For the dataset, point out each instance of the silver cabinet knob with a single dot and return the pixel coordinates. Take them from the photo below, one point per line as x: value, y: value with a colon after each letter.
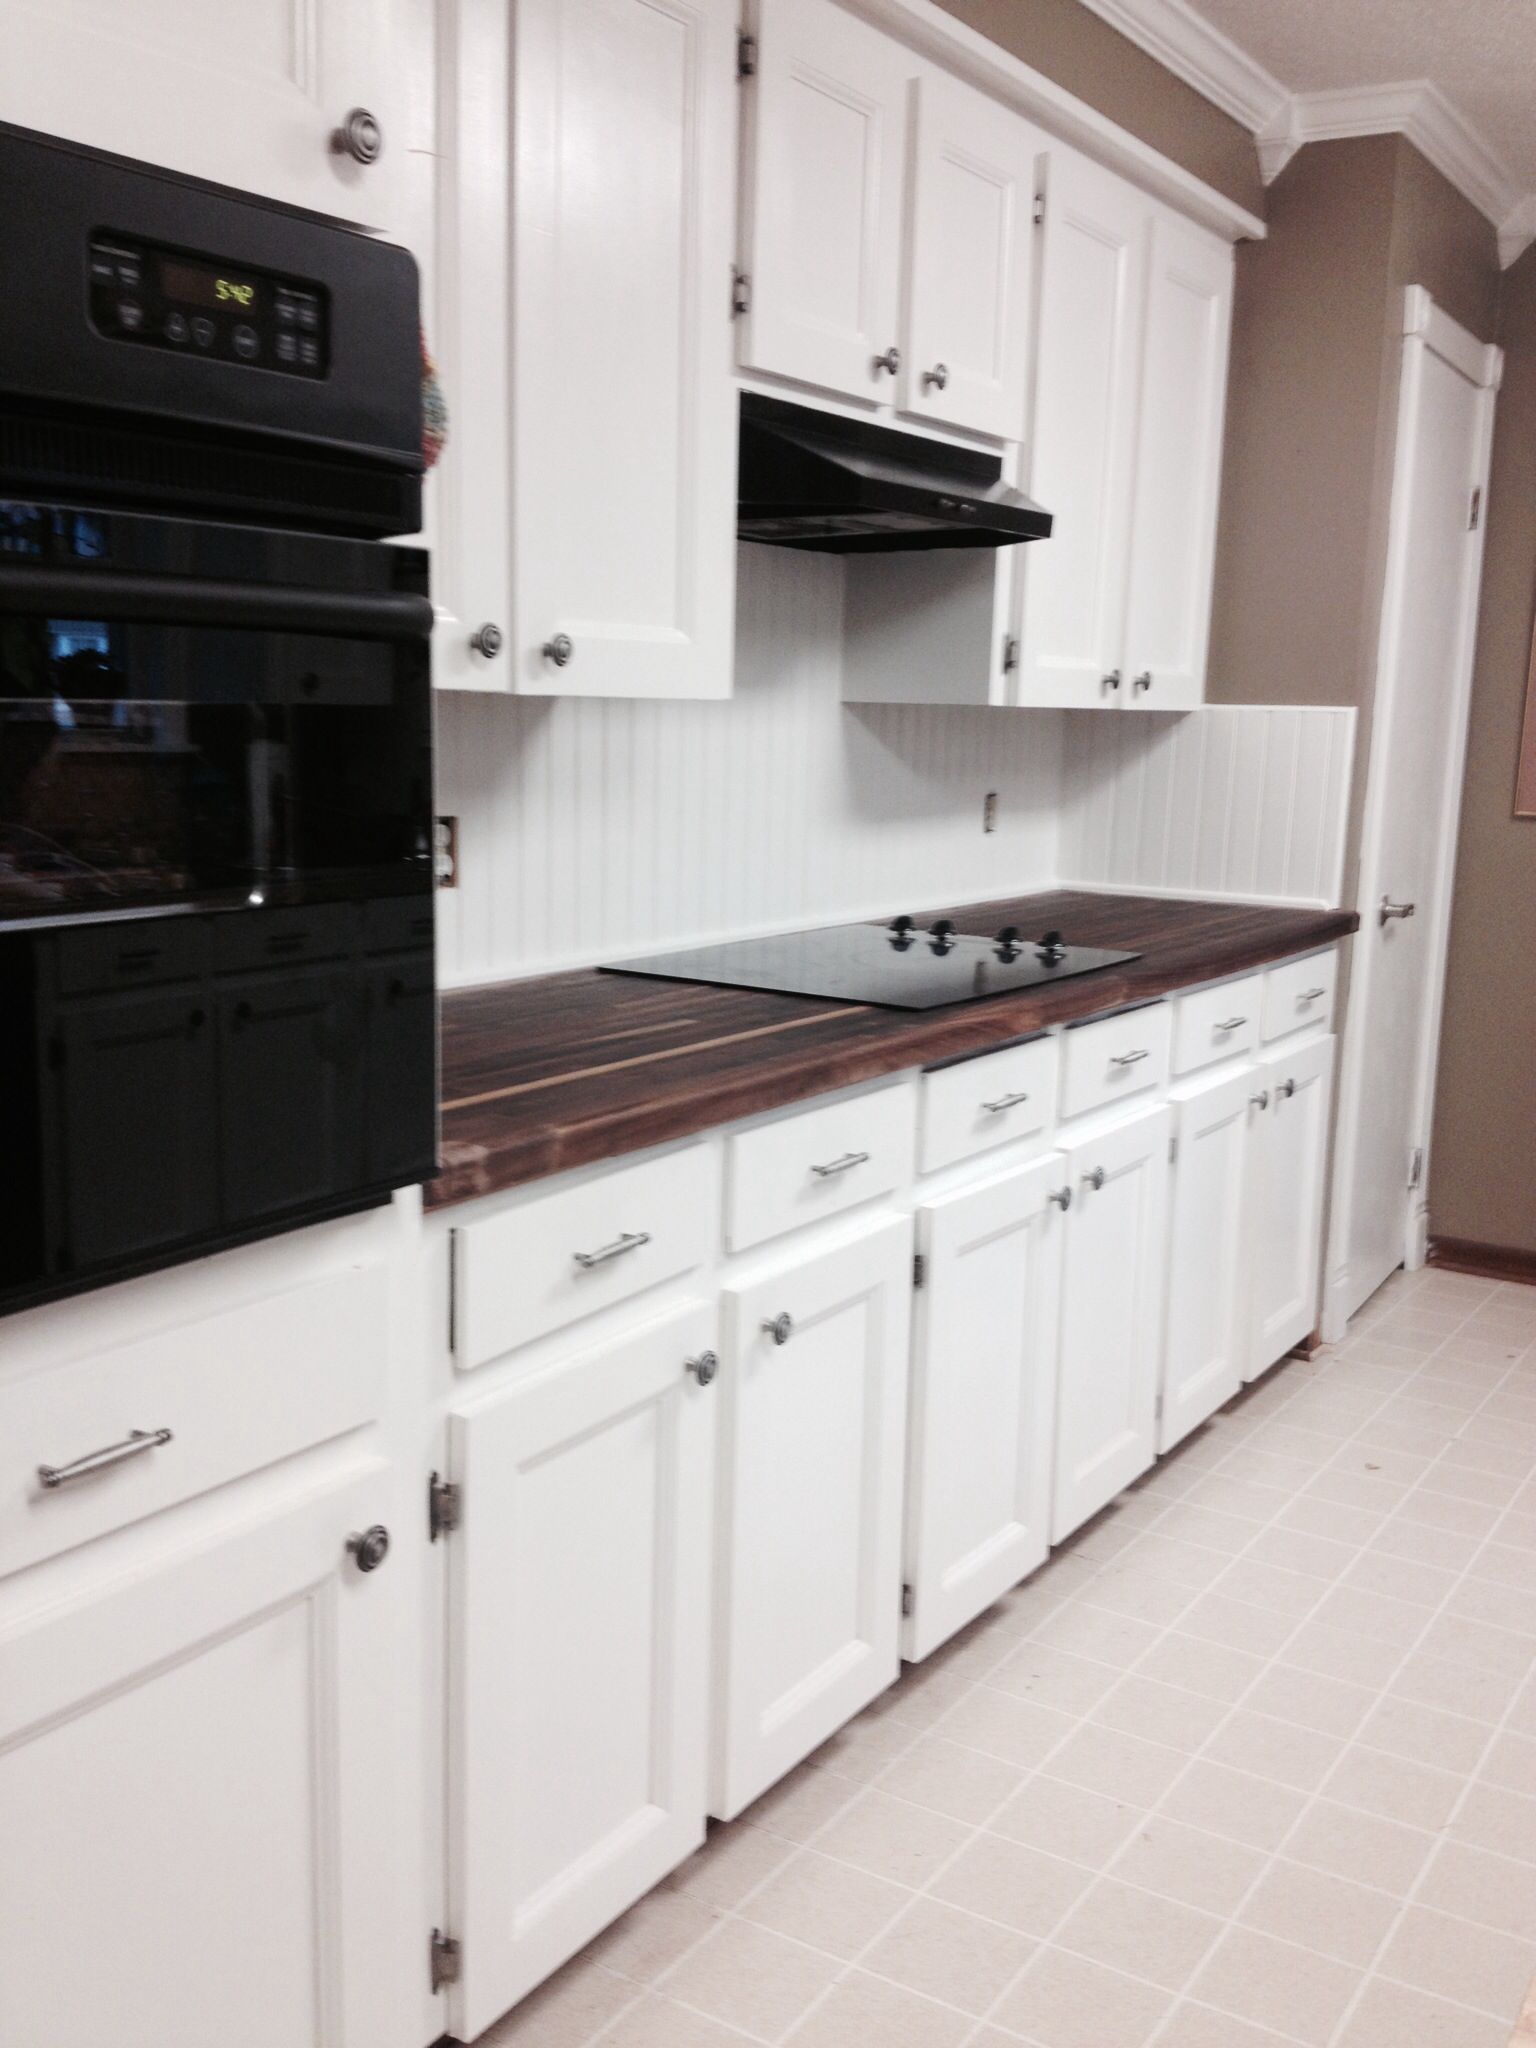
x: 891, y: 361
x: 1096, y: 1179
x: 1259, y: 1101
x: 704, y: 1367
x: 559, y: 650
x: 369, y: 1547
x: 1143, y: 681
x: 1286, y: 1090
x: 359, y: 137
x: 938, y: 376
x: 487, y: 640
x: 780, y: 1327
x: 1111, y: 681
x: 1390, y: 910
x: 1062, y: 1197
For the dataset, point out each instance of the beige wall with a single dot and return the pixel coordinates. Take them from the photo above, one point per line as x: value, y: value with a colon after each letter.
x: 1073, y: 46
x: 1483, y: 1160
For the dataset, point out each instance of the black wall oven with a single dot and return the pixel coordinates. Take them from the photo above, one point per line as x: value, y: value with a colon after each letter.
x: 217, y: 1011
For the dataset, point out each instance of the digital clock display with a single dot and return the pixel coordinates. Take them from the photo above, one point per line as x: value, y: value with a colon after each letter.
x: 199, y: 284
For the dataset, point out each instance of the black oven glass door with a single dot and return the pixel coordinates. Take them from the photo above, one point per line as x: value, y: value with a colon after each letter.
x: 217, y: 1009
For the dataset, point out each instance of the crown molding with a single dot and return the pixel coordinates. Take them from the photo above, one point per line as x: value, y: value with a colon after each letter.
x: 1184, y: 43
x: 1517, y: 230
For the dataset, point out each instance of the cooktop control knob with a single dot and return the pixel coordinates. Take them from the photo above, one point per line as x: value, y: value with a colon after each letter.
x: 1008, y: 942
x: 901, y: 926
x: 903, y: 930
x: 942, y: 935
x: 1051, y: 951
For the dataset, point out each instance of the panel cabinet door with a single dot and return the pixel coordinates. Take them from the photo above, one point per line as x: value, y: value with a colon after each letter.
x: 292, y: 1089
x: 1205, y: 1349
x: 205, y: 1829
x: 1088, y: 352
x: 983, y: 1399
x: 965, y: 345
x: 578, y: 1651
x: 248, y: 95
x: 809, y: 1603
x: 1178, y: 466
x: 825, y: 156
x: 1285, y: 1236
x: 1110, y: 1355
x: 622, y: 423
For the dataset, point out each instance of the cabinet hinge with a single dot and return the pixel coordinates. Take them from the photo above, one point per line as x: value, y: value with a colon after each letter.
x: 1158, y: 1410
x: 445, y: 1506
x: 908, y: 1599
x: 746, y: 55
x: 741, y: 294
x: 1416, y: 1166
x: 919, y: 1269
x: 447, y: 1959
x: 1039, y: 208
x: 1173, y: 1149
x: 1010, y: 654
x: 453, y: 1292
x: 1474, y: 519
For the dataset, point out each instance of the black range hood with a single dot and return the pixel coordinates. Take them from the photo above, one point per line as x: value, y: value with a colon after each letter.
x: 840, y: 486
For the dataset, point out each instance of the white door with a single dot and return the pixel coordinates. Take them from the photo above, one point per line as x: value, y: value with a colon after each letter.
x: 1205, y: 1348
x: 809, y: 1601
x: 1290, y: 1155
x: 579, y: 1650
x: 246, y: 94
x: 1111, y: 1315
x: 203, y: 1772
x: 983, y: 1399
x: 1178, y: 466
x: 970, y: 229
x: 825, y: 154
x: 1413, y: 794
x: 1071, y: 587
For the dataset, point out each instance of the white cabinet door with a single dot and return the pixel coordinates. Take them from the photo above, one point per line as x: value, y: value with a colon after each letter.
x: 809, y: 1602
x: 246, y: 94
x: 983, y: 1399
x: 1205, y: 1351
x: 1088, y: 353
x: 205, y: 1834
x: 1286, y: 1198
x: 578, y: 1652
x: 970, y: 230
x: 1111, y: 1315
x: 1178, y: 465
x: 825, y: 155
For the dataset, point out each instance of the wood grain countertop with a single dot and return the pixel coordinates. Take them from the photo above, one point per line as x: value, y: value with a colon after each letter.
x: 542, y: 1075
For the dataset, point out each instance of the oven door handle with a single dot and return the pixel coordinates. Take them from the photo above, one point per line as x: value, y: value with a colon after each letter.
x: 110, y: 595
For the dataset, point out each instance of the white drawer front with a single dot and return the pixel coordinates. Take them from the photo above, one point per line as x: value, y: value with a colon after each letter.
x: 547, y: 1261
x: 178, y: 1413
x: 1114, y: 1059
x: 1216, y: 1023
x: 976, y: 1104
x: 802, y: 1168
x: 1298, y: 993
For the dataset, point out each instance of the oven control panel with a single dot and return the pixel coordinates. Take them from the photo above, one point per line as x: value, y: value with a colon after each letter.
x: 200, y: 306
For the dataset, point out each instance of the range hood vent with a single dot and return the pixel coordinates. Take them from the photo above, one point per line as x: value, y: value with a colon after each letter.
x: 839, y: 486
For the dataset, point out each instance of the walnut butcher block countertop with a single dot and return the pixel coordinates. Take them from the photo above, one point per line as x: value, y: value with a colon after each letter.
x: 559, y: 1071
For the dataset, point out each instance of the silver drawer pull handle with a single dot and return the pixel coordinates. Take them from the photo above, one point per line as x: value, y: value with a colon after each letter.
x: 1096, y: 1179
x: 780, y: 1327
x: 133, y: 1445
x: 1128, y: 1059
x: 1007, y: 1102
x: 1310, y: 995
x: 1259, y: 1101
x: 849, y: 1159
x: 626, y: 1241
x: 1232, y: 1024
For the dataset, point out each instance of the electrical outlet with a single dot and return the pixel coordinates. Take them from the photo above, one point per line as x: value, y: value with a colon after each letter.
x: 989, y: 811
x: 445, y: 852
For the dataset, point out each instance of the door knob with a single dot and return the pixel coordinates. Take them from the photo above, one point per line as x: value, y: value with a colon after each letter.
x: 1111, y: 681
x: 891, y: 361
x: 1062, y: 1198
x: 1097, y: 1178
x: 1286, y: 1090
x: 1143, y: 681
x: 1259, y: 1101
x: 359, y: 137
x: 938, y: 376
x: 369, y: 1547
x: 559, y: 650
x: 1390, y: 910
x: 487, y: 640
x: 780, y: 1327
x: 704, y: 1367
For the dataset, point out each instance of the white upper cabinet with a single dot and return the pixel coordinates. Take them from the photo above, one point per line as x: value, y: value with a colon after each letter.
x: 246, y: 94
x: 589, y: 492
x: 826, y: 116
x: 970, y: 228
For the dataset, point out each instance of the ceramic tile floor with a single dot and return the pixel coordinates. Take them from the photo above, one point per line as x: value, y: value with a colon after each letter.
x: 1252, y: 1762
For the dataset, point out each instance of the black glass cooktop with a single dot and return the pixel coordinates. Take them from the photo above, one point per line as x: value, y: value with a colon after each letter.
x: 899, y: 965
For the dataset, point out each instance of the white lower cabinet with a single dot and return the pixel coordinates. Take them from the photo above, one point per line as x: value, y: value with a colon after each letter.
x: 202, y: 1772
x: 579, y: 1650
x: 1111, y: 1314
x: 1285, y: 1208
x: 983, y: 1399
x: 1204, y: 1349
x: 814, y: 1415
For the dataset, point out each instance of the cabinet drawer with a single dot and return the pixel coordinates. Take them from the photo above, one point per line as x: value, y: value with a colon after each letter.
x: 1216, y: 1023
x: 1298, y: 993
x: 548, y: 1261
x: 817, y: 1163
x: 1117, y: 1057
x: 975, y: 1104
x: 235, y: 1392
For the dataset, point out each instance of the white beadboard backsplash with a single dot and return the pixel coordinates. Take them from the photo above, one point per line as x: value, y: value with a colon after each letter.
x: 1231, y: 800
x: 592, y: 828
